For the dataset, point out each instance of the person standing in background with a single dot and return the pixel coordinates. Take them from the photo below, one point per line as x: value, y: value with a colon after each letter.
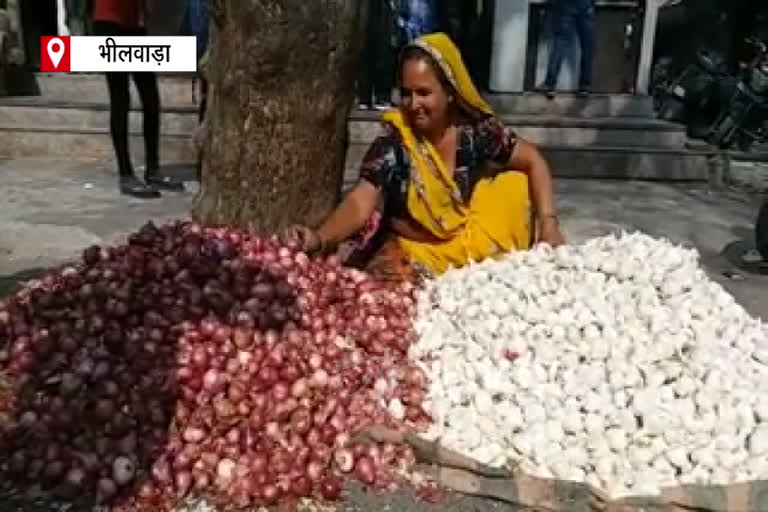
x: 383, y: 41
x: 127, y: 18
x: 571, y: 18
x: 418, y: 18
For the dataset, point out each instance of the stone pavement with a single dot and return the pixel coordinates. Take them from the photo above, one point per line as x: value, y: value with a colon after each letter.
x: 53, y: 209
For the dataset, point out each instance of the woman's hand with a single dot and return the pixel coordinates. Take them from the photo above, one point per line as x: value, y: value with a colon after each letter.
x: 306, y: 239
x: 549, y: 232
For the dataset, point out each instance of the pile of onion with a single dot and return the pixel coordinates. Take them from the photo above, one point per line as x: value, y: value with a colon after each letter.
x: 208, y: 362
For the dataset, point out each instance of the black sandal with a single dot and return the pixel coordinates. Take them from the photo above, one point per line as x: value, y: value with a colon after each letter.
x: 132, y: 186
x: 156, y: 179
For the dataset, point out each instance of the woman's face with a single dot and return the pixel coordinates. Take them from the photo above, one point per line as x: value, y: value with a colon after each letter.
x: 423, y: 98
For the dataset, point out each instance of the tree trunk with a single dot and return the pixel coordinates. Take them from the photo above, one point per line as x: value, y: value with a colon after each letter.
x: 281, y: 75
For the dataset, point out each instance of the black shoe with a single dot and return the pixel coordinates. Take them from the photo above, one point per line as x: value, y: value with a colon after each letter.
x: 130, y: 185
x: 583, y: 92
x: 154, y: 178
x: 548, y: 91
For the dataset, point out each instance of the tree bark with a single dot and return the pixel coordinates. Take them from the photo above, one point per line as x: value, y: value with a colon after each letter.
x: 274, y: 139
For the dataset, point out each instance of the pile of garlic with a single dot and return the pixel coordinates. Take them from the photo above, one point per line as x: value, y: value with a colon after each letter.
x: 616, y: 362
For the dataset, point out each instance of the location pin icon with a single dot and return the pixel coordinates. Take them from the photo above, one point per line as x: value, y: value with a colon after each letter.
x: 55, y: 51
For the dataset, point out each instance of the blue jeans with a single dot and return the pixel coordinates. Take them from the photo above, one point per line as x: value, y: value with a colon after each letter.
x: 419, y: 18
x: 567, y: 23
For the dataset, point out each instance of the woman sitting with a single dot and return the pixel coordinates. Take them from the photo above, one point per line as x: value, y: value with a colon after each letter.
x: 454, y: 183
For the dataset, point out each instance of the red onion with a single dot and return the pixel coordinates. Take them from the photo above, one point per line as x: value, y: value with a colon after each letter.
x: 319, y: 379
x: 211, y: 460
x: 223, y: 407
x: 225, y: 471
x: 213, y: 381
x: 76, y: 478
x: 301, y: 487
x: 199, y: 357
x: 365, y: 470
x: 315, y: 470
x: 268, y: 375
x: 240, y: 367
x: 202, y: 481
x: 236, y: 392
x: 270, y: 494
x: 193, y: 435
x: 281, y: 391
x: 330, y: 488
x: 161, y: 472
x: 301, y: 420
x: 104, y: 409
x: 107, y: 489
x: 285, y: 407
x: 183, y: 482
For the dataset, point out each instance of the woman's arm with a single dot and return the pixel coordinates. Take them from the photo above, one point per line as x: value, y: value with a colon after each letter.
x: 351, y: 215
x: 527, y: 158
x: 357, y: 207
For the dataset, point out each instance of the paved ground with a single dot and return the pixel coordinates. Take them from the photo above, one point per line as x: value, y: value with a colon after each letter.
x: 51, y: 210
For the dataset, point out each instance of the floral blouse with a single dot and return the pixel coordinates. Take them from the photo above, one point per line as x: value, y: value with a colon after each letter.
x: 386, y: 164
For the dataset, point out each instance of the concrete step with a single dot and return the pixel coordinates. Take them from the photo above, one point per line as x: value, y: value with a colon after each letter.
x: 82, y: 144
x: 555, y: 130
x: 364, y: 126
x: 595, y: 147
x: 582, y: 162
x: 596, y: 161
x: 175, y: 90
x: 21, y: 113
x: 568, y: 104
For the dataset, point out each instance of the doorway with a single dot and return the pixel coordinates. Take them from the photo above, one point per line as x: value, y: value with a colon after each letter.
x: 38, y: 18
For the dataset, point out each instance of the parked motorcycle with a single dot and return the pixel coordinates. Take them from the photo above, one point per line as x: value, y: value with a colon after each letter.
x: 743, y: 120
x: 690, y: 97
x: 724, y: 109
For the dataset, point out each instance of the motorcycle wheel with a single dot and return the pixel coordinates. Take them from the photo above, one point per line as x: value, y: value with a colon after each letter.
x: 761, y: 231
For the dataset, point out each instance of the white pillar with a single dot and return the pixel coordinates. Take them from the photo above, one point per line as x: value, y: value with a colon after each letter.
x: 646, y: 46
x: 61, y: 17
x: 649, y: 40
x: 510, y: 44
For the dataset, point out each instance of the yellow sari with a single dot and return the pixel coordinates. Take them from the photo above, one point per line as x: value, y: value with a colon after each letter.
x: 497, y: 217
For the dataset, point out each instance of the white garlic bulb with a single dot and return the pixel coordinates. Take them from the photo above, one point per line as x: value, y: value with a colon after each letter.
x: 634, y: 371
